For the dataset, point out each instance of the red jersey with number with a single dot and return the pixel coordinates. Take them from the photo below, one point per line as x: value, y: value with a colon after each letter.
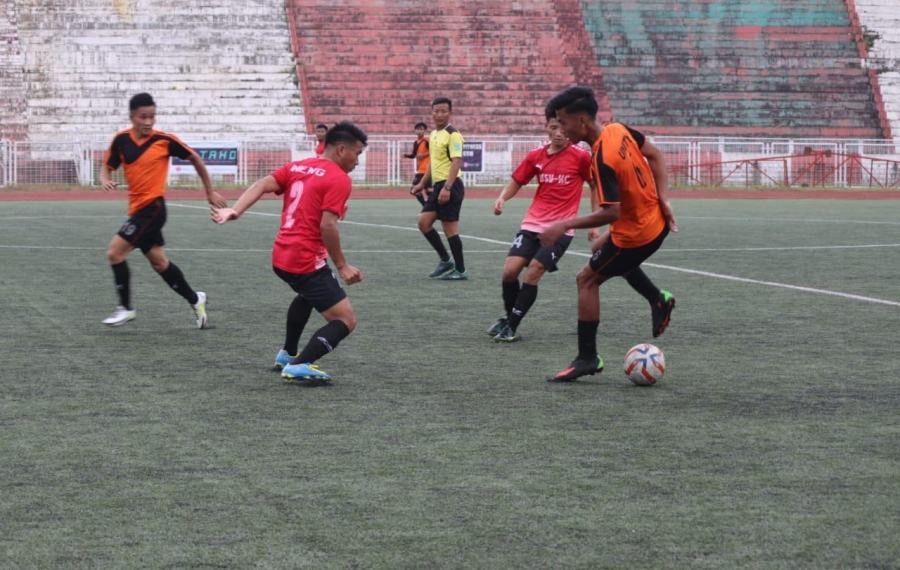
x: 561, y: 177
x: 310, y: 187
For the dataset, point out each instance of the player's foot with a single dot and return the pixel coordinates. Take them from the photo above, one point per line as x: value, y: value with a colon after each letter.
x: 498, y: 325
x: 577, y: 369
x: 304, y: 372
x: 282, y: 359
x: 662, y: 312
x: 507, y: 334
x: 120, y: 316
x: 200, y: 310
x: 442, y: 267
x: 454, y: 276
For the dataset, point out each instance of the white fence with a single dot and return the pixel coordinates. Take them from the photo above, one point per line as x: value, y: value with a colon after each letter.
x: 698, y: 161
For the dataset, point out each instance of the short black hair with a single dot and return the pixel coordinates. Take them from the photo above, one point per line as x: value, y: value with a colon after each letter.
x: 439, y: 100
x: 575, y: 99
x: 421, y: 124
x: 549, y: 112
x: 322, y: 126
x: 345, y: 132
x: 141, y: 100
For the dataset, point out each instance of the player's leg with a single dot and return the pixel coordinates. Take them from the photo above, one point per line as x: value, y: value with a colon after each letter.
x: 323, y: 291
x: 545, y: 260
x: 174, y: 278
x: 588, y: 360
x: 117, y: 254
x: 448, y: 214
x: 427, y: 217
x: 661, y: 302
x: 416, y: 179
x: 297, y: 316
x: 509, y: 283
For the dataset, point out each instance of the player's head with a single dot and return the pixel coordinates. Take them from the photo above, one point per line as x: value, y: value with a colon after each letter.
x: 142, y: 111
x: 576, y: 110
x: 420, y: 129
x: 321, y: 131
x: 441, y: 111
x: 344, y: 142
x: 554, y: 131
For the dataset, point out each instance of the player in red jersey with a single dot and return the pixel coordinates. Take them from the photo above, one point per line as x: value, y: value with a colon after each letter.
x: 315, y: 192
x: 630, y: 181
x: 562, y: 170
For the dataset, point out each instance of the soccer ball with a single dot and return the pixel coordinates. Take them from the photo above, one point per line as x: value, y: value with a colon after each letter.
x: 645, y: 364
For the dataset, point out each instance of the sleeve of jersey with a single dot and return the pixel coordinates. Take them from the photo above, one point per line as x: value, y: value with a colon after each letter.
x: 336, y: 198
x: 638, y: 136
x: 608, y: 186
x: 456, y: 145
x: 526, y: 170
x: 282, y: 177
x: 113, y: 158
x: 584, y: 166
x: 179, y: 149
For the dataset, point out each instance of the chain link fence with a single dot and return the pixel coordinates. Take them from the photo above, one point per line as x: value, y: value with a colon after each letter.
x: 698, y: 162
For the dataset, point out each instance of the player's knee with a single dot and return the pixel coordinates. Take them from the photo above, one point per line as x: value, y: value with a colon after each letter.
x: 114, y: 256
x: 534, y: 272
x: 350, y: 320
x: 585, y: 278
x: 425, y: 225
x: 159, y: 265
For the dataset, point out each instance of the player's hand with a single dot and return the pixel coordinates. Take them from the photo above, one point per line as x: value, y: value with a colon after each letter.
x: 350, y: 274
x: 593, y: 235
x: 443, y: 196
x: 216, y: 199
x: 109, y: 186
x: 498, y: 206
x: 552, y: 234
x: 417, y: 189
x: 600, y: 241
x: 669, y: 215
x: 222, y: 215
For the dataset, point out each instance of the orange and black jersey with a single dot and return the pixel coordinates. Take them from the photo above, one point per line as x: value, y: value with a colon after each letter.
x: 146, y: 164
x: 622, y: 175
x: 420, y: 146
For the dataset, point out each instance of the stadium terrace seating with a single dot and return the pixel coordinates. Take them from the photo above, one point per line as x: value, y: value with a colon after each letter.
x: 881, y: 19
x: 381, y: 63
x: 13, y: 124
x: 215, y: 71
x: 733, y: 67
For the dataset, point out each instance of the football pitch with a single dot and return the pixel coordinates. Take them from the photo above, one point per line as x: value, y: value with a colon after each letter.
x: 773, y: 441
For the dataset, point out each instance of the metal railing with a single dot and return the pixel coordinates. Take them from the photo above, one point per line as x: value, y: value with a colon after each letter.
x: 695, y: 161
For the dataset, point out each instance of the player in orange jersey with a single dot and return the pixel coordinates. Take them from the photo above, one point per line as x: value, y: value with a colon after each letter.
x: 421, y: 155
x: 144, y: 153
x: 629, y: 175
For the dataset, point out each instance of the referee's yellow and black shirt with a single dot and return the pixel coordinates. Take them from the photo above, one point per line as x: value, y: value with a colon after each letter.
x: 443, y: 146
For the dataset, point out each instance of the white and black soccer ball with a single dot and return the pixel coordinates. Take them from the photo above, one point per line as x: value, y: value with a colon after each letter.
x: 645, y: 364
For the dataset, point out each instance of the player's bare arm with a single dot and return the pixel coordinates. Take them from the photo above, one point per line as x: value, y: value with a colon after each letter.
x: 251, y: 195
x: 605, y: 214
x: 444, y: 195
x: 331, y: 237
x: 511, y: 189
x: 593, y: 233
x: 106, y: 180
x: 213, y: 197
x: 657, y: 163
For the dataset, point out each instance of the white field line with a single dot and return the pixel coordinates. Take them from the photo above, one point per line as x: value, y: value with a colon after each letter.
x: 659, y: 266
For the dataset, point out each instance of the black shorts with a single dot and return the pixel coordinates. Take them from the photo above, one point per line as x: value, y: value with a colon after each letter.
x: 321, y: 287
x: 416, y: 179
x: 611, y: 260
x: 448, y: 212
x: 528, y: 245
x: 144, y: 228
